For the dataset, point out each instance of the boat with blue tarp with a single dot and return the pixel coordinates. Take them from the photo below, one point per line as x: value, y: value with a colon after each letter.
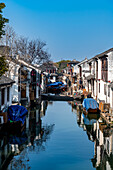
x: 56, y: 87
x: 16, y: 118
x: 90, y: 105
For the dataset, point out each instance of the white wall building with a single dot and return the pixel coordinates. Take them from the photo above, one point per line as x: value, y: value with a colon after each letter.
x: 5, y: 92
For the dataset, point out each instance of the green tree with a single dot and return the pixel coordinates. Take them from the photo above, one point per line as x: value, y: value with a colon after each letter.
x: 3, y: 20
x: 3, y: 65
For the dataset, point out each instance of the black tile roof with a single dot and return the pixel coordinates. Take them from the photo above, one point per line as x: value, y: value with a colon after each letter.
x: 5, y: 81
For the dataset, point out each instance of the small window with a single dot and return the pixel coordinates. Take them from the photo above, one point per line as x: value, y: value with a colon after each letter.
x: 105, y: 89
x: 8, y: 90
x: 108, y: 146
x: 98, y: 133
x: 2, y: 96
x: 99, y: 87
x: 108, y: 91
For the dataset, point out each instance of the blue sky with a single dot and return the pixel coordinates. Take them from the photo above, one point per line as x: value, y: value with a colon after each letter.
x: 72, y: 29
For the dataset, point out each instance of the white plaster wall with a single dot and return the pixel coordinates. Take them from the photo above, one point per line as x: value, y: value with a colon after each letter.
x: 14, y: 76
x: 42, y: 84
x: 93, y: 68
x: 90, y: 87
x: 112, y: 142
x: 111, y: 98
x: 108, y: 166
x: 99, y: 69
x: 94, y: 126
x: 54, y: 78
x: 85, y: 66
x: 7, y: 103
x: 98, y: 156
x: 101, y: 95
x: 95, y: 88
x: 110, y: 66
x: 101, y: 141
x: 86, y: 87
x: 87, y: 74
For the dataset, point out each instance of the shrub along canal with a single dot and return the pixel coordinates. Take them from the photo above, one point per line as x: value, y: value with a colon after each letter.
x: 57, y: 137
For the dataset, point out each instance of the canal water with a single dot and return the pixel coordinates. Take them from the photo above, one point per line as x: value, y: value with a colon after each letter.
x: 57, y: 137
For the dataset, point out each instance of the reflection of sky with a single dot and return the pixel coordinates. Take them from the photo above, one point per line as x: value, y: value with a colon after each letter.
x: 65, y: 147
x: 68, y: 146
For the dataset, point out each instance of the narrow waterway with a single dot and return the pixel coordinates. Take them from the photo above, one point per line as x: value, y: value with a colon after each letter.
x: 57, y: 137
x: 68, y: 146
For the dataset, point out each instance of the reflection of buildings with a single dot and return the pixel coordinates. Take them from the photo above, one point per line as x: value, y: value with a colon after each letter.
x: 33, y: 122
x: 103, y: 146
x: 5, y: 151
x: 43, y: 108
x: 34, y: 136
x: 102, y: 136
x: 75, y: 105
x: 88, y: 124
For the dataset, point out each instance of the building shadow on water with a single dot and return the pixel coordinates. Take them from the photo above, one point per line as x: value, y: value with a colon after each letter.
x: 14, y: 148
x: 100, y: 134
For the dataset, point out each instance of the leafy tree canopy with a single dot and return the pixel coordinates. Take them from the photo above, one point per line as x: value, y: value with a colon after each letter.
x: 3, y: 63
x: 2, y: 20
x: 62, y: 64
x: 3, y: 66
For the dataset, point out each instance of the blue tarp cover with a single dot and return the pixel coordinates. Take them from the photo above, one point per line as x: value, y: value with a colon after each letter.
x: 14, y: 139
x: 90, y: 103
x: 87, y: 121
x: 17, y: 113
x: 55, y: 84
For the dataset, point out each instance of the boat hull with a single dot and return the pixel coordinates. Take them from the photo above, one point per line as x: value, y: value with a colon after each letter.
x: 14, y: 127
x: 91, y: 111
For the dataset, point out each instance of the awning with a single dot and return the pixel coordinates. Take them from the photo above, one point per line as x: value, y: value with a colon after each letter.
x: 90, y: 77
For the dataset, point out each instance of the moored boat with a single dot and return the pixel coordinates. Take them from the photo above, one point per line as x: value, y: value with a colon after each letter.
x: 90, y: 106
x: 56, y: 87
x: 16, y: 118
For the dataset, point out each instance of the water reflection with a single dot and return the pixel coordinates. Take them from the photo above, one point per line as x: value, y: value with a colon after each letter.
x: 15, y: 148
x: 101, y: 134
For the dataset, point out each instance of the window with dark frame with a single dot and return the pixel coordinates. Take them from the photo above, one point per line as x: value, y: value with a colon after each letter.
x: 104, y: 69
x: 105, y: 89
x: 90, y: 66
x: 97, y: 69
x: 108, y: 146
x: 99, y: 87
x: 3, y: 96
x: 8, y: 90
x: 108, y: 91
